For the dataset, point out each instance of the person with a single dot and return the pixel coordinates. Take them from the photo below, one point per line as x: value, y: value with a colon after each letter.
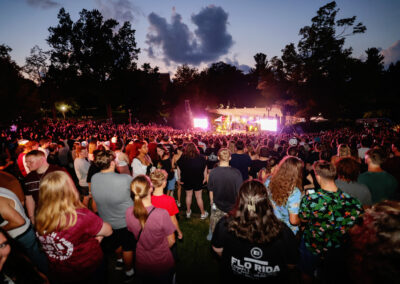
x: 21, y: 161
x: 121, y: 159
x: 348, y: 170
x: 154, y: 232
x: 15, y: 267
x: 175, y: 158
x: 14, y: 220
x: 375, y: 245
x: 241, y: 160
x: 111, y: 192
x: 141, y: 163
x: 258, y: 164
x: 160, y: 200
x: 381, y: 184
x: 70, y: 234
x: 193, y: 168
x: 253, y: 243
x: 392, y: 165
x: 327, y: 214
x: 164, y: 162
x: 342, y: 151
x: 10, y: 182
x: 284, y: 190
x: 223, y: 185
x: 39, y: 168
x: 81, y: 166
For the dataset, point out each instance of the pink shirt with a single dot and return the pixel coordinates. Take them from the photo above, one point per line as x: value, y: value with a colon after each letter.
x: 152, y: 251
x: 74, y: 253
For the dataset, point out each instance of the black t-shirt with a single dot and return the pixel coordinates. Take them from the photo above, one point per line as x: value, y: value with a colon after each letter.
x: 212, y: 157
x: 225, y: 182
x: 242, y: 162
x: 192, y: 170
x: 93, y: 169
x: 256, y: 166
x: 251, y: 262
x: 165, y: 165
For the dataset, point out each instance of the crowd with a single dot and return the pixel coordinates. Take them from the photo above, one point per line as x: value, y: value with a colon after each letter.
x: 289, y: 208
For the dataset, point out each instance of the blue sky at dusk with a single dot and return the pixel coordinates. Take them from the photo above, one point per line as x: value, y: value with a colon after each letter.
x: 171, y: 32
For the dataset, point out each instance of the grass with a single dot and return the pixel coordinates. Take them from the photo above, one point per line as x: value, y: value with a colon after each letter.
x: 196, y: 261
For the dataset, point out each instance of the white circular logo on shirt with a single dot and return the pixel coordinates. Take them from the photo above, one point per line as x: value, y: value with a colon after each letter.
x: 256, y: 252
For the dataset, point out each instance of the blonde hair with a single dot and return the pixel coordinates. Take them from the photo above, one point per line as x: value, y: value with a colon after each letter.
x: 140, y: 186
x: 224, y: 154
x: 58, y: 201
x: 158, y: 177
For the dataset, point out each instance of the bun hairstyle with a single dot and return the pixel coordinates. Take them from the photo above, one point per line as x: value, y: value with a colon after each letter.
x: 158, y: 177
x: 140, y: 187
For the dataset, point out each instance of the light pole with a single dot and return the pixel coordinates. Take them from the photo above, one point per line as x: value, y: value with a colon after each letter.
x: 63, y: 110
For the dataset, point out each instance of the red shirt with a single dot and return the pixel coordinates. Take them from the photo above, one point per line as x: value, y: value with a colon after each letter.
x: 74, y: 253
x: 166, y: 202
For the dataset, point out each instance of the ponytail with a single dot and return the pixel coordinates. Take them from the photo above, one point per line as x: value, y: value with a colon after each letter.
x: 140, y: 186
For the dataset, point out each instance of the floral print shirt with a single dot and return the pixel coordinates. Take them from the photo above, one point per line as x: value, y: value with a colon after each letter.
x: 329, y: 215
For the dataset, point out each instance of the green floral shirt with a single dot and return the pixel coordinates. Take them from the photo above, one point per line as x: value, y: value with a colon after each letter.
x: 329, y: 215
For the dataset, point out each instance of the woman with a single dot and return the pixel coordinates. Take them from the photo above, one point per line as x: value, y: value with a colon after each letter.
x: 193, y: 170
x: 141, y: 164
x: 253, y: 243
x: 177, y: 155
x: 284, y: 187
x: 121, y: 159
x: 164, y: 162
x: 154, y: 232
x: 343, y: 151
x: 70, y: 234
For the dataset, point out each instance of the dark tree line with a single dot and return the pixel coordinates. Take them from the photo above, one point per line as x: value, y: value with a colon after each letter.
x: 91, y: 67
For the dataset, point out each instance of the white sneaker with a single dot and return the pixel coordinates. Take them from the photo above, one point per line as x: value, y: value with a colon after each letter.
x: 204, y: 216
x: 189, y: 214
x: 178, y: 203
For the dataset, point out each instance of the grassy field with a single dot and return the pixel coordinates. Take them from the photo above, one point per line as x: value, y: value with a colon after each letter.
x: 196, y: 261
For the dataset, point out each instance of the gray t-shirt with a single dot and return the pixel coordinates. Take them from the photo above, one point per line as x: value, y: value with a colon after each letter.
x: 111, y: 191
x: 356, y: 190
x: 225, y: 182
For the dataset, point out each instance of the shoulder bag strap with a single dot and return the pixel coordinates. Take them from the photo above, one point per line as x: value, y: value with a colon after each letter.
x: 140, y: 232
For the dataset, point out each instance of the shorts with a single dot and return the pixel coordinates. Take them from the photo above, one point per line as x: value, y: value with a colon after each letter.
x: 120, y: 237
x: 171, y: 184
x: 195, y: 187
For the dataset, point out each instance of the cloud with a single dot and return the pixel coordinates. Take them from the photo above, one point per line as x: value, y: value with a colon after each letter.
x: 245, y: 68
x: 392, y: 53
x: 120, y: 10
x: 177, y: 43
x: 45, y: 4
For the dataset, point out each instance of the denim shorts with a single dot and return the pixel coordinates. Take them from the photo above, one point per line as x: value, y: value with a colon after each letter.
x: 171, y: 184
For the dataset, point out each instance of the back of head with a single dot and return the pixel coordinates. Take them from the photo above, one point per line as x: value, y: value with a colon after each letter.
x: 253, y: 218
x: 224, y: 155
x: 58, y: 201
x: 347, y: 169
x: 191, y: 151
x: 375, y: 156
x: 292, y: 151
x: 140, y: 187
x: 158, y: 177
x: 103, y: 159
x: 325, y: 170
x: 287, y: 176
x: 239, y: 145
x: 344, y: 150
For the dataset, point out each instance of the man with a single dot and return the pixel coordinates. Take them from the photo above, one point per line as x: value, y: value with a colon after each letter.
x: 111, y: 192
x: 223, y: 183
x: 381, y: 184
x: 392, y: 165
x: 14, y: 220
x: 241, y: 160
x: 38, y: 168
x: 328, y: 213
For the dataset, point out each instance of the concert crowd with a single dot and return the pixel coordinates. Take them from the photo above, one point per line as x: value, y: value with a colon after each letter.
x: 77, y: 197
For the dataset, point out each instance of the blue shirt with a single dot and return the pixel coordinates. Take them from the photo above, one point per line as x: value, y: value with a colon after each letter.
x: 291, y: 207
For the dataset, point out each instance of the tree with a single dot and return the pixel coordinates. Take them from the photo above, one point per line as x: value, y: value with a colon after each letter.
x: 36, y: 65
x: 89, y: 53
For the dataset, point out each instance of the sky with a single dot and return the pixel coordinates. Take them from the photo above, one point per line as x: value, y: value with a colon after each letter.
x: 172, y: 32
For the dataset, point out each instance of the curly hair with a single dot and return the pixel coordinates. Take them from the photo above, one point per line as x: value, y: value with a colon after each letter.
x: 287, y: 176
x: 253, y: 217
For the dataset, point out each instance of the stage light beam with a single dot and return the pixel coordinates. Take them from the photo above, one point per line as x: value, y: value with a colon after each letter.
x: 200, y: 123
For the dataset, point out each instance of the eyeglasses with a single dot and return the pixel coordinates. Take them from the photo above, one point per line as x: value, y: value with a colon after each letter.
x: 3, y: 244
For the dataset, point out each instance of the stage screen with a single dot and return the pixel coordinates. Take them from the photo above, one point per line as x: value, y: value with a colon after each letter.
x: 200, y: 123
x: 268, y: 124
